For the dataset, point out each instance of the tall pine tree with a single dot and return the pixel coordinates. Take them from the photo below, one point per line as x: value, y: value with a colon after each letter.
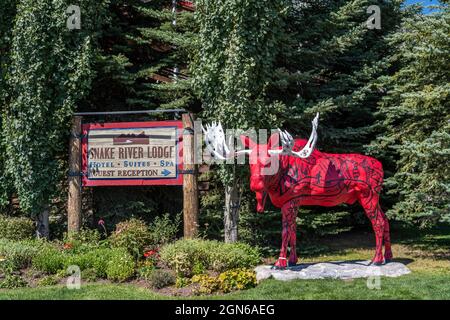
x: 145, y: 56
x: 330, y: 62
x: 145, y: 52
x: 416, y: 119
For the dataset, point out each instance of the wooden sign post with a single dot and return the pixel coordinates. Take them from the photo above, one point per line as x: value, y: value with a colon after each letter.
x: 74, y: 198
x: 190, y: 187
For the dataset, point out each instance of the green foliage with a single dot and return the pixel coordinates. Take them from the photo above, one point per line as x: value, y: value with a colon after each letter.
x: 139, y: 44
x: 8, y: 12
x: 207, y: 284
x: 89, y: 275
x: 146, y: 45
x: 329, y: 63
x: 322, y: 223
x: 98, y: 261
x: 233, y: 65
x: 234, y: 279
x: 50, y: 280
x: 19, y: 253
x: 163, y: 230
x: 120, y: 265
x: 189, y: 257
x: 415, y: 125
x: 160, y: 278
x: 182, y: 282
x: 84, y: 237
x: 49, y: 260
x: 50, y: 71
x: 234, y: 255
x: 12, y: 281
x: 132, y: 235
x: 93, y: 259
x: 237, y: 279
x: 317, y: 56
x: 145, y: 270
x: 16, y: 228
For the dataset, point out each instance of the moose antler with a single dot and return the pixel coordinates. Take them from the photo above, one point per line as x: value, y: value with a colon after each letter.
x: 287, y: 142
x: 216, y: 144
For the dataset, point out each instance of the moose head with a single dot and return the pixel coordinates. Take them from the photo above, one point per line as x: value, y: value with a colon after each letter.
x: 263, y: 158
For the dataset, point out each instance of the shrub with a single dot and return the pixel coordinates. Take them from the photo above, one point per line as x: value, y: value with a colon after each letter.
x: 163, y: 230
x: 193, y: 256
x: 182, y: 282
x: 16, y: 228
x: 96, y: 259
x: 89, y: 275
x: 145, y: 269
x: 207, y: 284
x: 151, y: 257
x: 160, y: 278
x: 183, y: 255
x: 234, y: 255
x: 237, y: 279
x: 50, y: 260
x: 83, y: 240
x: 112, y: 263
x: 50, y: 280
x: 81, y: 260
x: 120, y: 266
x: 132, y: 235
x: 12, y: 281
x: 5, y: 266
x: 19, y: 253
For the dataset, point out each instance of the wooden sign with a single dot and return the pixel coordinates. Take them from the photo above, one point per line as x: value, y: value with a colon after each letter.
x: 132, y: 153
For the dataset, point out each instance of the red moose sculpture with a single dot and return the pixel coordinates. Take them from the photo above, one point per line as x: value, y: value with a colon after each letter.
x: 305, y: 176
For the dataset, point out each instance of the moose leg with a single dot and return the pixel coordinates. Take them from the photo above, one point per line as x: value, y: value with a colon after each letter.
x: 386, y: 239
x: 293, y: 236
x: 289, y: 214
x: 373, y: 212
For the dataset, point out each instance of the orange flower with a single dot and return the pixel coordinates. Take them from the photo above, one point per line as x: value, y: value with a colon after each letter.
x: 68, y: 246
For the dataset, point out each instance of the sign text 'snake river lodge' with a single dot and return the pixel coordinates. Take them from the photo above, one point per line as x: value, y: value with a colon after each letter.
x: 132, y: 153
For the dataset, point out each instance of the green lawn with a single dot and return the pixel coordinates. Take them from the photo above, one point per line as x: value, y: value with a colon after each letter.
x: 412, y: 286
x: 427, y: 256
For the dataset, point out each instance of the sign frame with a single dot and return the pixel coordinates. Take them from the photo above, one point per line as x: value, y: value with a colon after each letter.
x: 177, y: 180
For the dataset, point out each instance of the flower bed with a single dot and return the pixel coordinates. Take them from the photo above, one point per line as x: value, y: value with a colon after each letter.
x: 183, y: 267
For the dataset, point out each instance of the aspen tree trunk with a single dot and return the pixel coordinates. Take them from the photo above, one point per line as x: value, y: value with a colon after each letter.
x: 231, y: 214
x: 42, y: 224
x: 74, y: 196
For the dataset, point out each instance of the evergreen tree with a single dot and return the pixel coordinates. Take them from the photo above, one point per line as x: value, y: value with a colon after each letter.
x: 144, y: 58
x: 330, y: 61
x: 145, y: 51
x: 416, y: 119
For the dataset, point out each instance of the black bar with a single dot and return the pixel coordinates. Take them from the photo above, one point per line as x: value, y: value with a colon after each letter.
x: 130, y: 112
